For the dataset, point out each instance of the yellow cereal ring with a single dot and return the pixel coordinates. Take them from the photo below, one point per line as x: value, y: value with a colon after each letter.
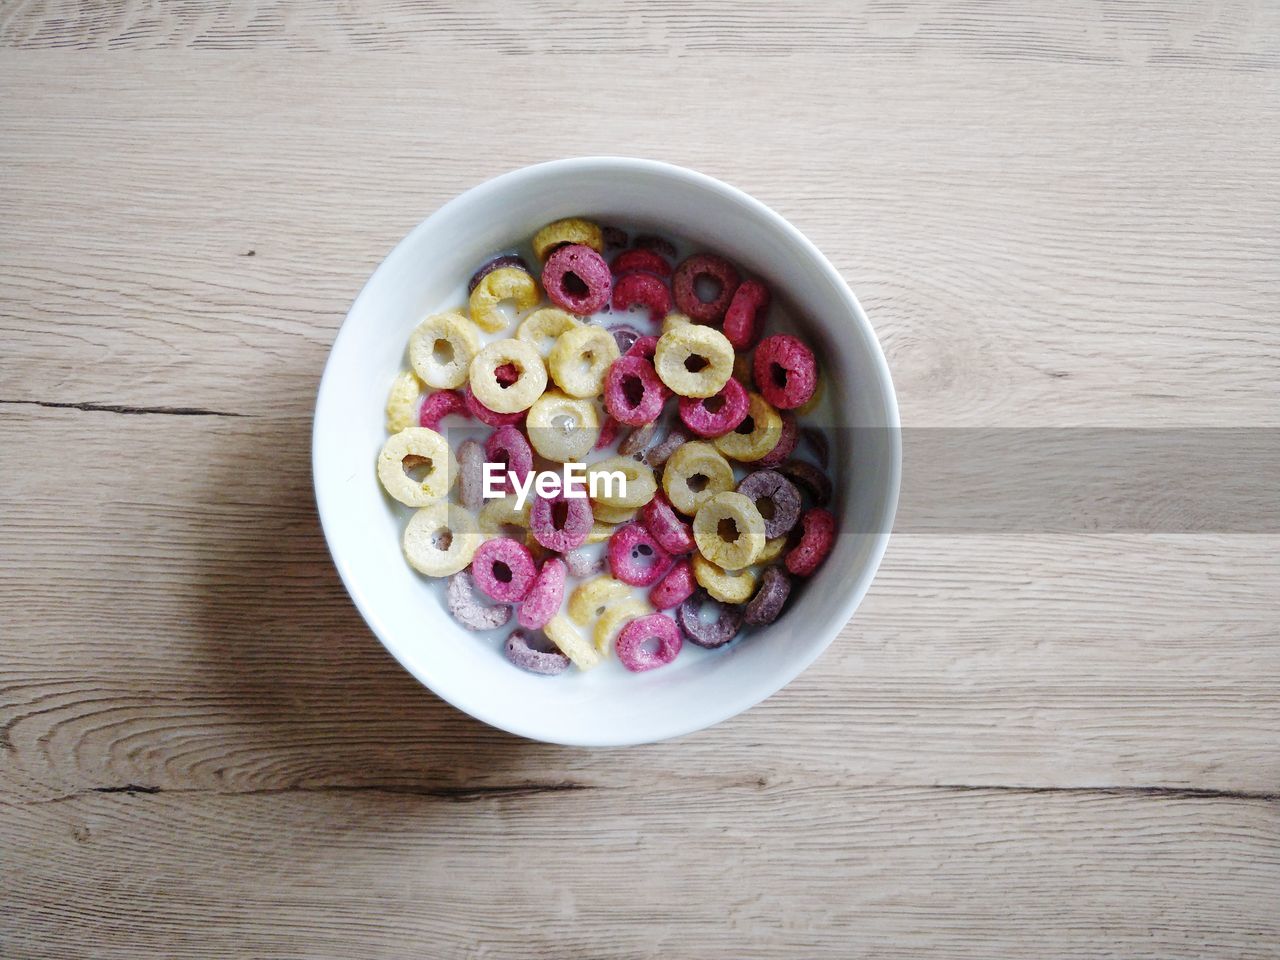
x: 764, y: 430
x: 441, y: 350
x: 680, y: 477
x: 736, y: 587
x: 580, y: 359
x: 639, y: 488
x: 441, y: 539
x: 615, y: 618
x: 571, y: 230
x: 403, y: 402
x: 531, y: 376
x: 589, y: 600
x: 498, y: 516
x: 571, y: 643
x: 729, y: 530
x: 410, y: 449
x: 611, y: 515
x: 600, y: 531
x: 694, y: 361
x: 542, y: 327
x: 562, y: 428
x: 505, y: 283
x: 675, y: 319
x: 772, y: 549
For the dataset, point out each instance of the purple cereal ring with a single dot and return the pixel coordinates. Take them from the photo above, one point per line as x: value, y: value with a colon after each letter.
x: 717, y: 414
x: 713, y: 633
x: 786, y: 444
x: 469, y: 610
x: 508, y: 448
x: 584, y: 563
x: 638, y: 439
x: 485, y: 415
x: 577, y: 279
x: 645, y: 347
x: 812, y: 480
x: 630, y: 645
x: 504, y: 569
x: 708, y: 268
x: 438, y: 406
x: 657, y: 455
x: 817, y: 442
x: 471, y: 474
x: 520, y: 650
x: 635, y: 557
x: 633, y: 394
x: 670, y: 532
x: 818, y: 535
x: 675, y: 588
x: 745, y: 316
x: 642, y: 290
x: 544, y: 597
x: 497, y: 263
x: 651, y: 241
x: 775, y: 497
x: 785, y: 371
x: 640, y: 261
x: 560, y: 523
x: 775, y: 587
x: 624, y: 336
x: 608, y: 433
x: 613, y: 237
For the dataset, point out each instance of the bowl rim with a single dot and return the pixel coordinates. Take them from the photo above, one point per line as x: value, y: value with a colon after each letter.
x: 852, y: 599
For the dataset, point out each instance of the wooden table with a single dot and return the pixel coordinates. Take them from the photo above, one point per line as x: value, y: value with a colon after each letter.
x: 1024, y: 745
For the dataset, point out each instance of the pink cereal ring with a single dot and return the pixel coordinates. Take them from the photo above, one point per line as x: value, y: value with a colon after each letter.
x: 717, y: 414
x: 577, y: 279
x: 543, y: 600
x: 785, y: 371
x: 818, y: 534
x: 745, y: 316
x: 485, y: 415
x: 635, y: 557
x: 438, y: 406
x: 504, y: 569
x: 643, y: 290
x: 633, y: 394
x: 508, y: 448
x: 643, y: 347
x: 608, y: 433
x: 643, y: 261
x: 630, y: 643
x: 717, y: 271
x: 670, y: 532
x: 786, y: 444
x: 560, y: 523
x: 675, y: 588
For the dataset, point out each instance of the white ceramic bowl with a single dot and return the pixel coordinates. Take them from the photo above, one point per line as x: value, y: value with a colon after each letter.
x: 601, y: 707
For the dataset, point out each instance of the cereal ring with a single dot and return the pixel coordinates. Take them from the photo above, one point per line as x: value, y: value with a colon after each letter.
x: 504, y: 569
x: 612, y: 515
x: 415, y: 448
x: 817, y: 442
x: 709, y: 633
x: 695, y: 472
x: 717, y: 414
x: 571, y: 230
x: 439, y: 405
x: 674, y: 588
x: 497, y: 263
x: 712, y: 270
x: 694, y: 361
x: 543, y: 327
x: 645, y: 348
x: 776, y: 498
x: 508, y: 448
x: 729, y: 530
x: 630, y: 644
x: 502, y: 518
x: 642, y: 290
x: 744, y: 318
x: 403, y: 402
x: 440, y: 539
x: 577, y: 279
x: 442, y: 348
x: 471, y: 474
x: 614, y: 237
x: 562, y: 428
x: 810, y: 479
x: 468, y: 609
x: 600, y: 531
x: 755, y: 436
x: 615, y: 618
x: 543, y: 599
x: 514, y: 397
x: 624, y: 336
x: 818, y: 535
x: 635, y: 557
x: 670, y: 532
x: 772, y: 550
x: 674, y: 320
x: 584, y: 563
x: 785, y: 371
x: 775, y: 587
x: 637, y: 488
x: 651, y: 241
x: 580, y: 359
x: 520, y: 651
x: 637, y: 440
x: 591, y: 599
x: 560, y: 522
x: 643, y: 261
x: 727, y: 587
x: 786, y: 444
x: 505, y: 283
x: 658, y: 455
x: 633, y: 394
x: 608, y: 433
x: 571, y: 643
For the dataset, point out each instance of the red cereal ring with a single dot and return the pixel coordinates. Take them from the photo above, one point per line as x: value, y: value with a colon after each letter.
x: 508, y: 447
x: 577, y: 279
x: 438, y: 406
x: 630, y: 645
x: 675, y: 588
x: 785, y: 371
x: 560, y: 522
x: 642, y: 261
x: 786, y: 444
x: 667, y: 529
x: 503, y: 569
x: 744, y: 318
x: 543, y: 599
x: 818, y: 535
x: 635, y: 557
x: 645, y: 347
x: 633, y: 393
x: 709, y: 268
x: 485, y: 415
x: 717, y: 414
x: 608, y: 433
x: 642, y: 290
x: 497, y: 263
